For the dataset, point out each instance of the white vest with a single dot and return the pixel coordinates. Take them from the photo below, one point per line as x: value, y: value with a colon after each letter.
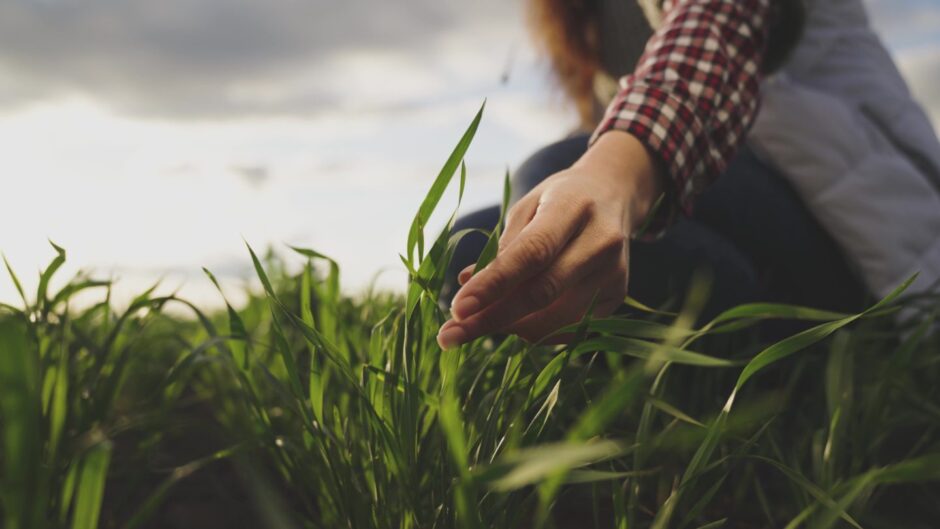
x: 840, y: 124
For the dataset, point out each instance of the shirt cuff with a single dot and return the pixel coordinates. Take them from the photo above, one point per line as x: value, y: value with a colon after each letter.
x: 668, y: 128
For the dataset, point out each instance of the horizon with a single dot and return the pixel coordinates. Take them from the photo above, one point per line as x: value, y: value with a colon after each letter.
x: 155, y: 152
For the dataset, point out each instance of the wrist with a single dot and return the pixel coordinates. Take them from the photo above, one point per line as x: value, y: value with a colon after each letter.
x: 632, y: 168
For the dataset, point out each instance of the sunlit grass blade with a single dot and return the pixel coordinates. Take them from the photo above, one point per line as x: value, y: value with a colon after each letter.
x: 536, y: 464
x: 416, y: 233
x: 636, y: 304
x: 669, y: 409
x: 644, y: 350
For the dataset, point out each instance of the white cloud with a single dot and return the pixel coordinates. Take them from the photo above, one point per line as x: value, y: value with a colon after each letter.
x: 348, y: 115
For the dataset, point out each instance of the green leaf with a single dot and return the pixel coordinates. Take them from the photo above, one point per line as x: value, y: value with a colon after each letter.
x: 669, y: 409
x: 916, y: 470
x: 626, y: 327
x: 20, y: 432
x: 464, y: 494
x: 91, y: 481
x: 47, y: 274
x: 533, y: 465
x: 416, y: 233
x: 594, y: 476
x: 315, y: 385
x: 16, y: 283
x: 236, y: 326
x: 800, y: 341
x: 643, y: 349
x: 262, y: 275
x: 74, y: 288
x: 621, y: 392
x: 492, y: 242
x: 714, y: 525
x: 633, y: 303
x: 813, y: 490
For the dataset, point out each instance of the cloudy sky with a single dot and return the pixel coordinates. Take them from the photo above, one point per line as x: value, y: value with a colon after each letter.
x: 149, y: 138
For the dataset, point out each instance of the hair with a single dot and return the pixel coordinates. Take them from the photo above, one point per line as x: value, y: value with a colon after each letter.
x: 566, y: 32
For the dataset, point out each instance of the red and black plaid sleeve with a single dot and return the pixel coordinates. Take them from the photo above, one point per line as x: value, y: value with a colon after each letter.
x: 694, y: 93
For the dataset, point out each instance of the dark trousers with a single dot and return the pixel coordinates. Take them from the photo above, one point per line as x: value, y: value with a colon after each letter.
x: 750, y: 235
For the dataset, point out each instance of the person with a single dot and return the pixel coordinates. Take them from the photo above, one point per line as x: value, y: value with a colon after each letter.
x: 788, y: 220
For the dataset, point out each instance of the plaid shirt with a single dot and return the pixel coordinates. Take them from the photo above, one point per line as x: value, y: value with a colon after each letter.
x: 694, y: 94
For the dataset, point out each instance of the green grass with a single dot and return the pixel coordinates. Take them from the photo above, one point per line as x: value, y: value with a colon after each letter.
x: 308, y: 408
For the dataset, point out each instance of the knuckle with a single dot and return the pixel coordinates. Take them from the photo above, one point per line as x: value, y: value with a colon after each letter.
x: 544, y: 290
x: 579, y: 204
x: 612, y: 240
x: 538, y: 250
x: 492, y: 279
x: 518, y: 212
x: 586, y: 206
x: 512, y: 216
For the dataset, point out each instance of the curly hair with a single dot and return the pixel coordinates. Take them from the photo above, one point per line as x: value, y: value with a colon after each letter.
x: 566, y: 32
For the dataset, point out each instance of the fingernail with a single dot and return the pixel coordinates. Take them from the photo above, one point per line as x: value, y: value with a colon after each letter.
x: 451, y: 337
x: 465, y: 307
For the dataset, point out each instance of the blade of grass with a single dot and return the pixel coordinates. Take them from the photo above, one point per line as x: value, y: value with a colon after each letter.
x: 46, y: 276
x: 16, y: 283
x: 90, y: 490
x: 416, y: 233
x: 645, y: 350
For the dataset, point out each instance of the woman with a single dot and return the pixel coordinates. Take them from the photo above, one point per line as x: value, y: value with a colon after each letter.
x: 677, y: 122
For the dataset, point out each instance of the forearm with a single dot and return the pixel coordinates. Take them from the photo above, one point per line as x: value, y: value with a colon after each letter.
x: 694, y: 93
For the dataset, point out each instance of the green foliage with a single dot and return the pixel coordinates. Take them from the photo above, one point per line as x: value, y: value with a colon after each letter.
x: 321, y: 410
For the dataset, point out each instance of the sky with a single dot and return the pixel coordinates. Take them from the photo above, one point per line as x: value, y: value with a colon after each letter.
x: 153, y: 138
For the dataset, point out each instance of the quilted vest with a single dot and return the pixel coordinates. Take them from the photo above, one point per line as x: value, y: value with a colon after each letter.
x: 840, y: 124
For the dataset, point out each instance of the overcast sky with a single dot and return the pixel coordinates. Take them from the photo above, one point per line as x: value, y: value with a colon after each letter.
x: 148, y: 137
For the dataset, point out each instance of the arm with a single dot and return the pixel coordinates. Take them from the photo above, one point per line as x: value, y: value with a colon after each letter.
x: 694, y: 93
x: 673, y: 127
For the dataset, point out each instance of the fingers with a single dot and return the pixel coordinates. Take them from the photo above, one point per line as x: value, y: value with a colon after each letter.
x: 558, y: 296
x: 569, y: 309
x: 534, y: 249
x: 465, y: 274
x: 516, y: 219
x: 582, y: 258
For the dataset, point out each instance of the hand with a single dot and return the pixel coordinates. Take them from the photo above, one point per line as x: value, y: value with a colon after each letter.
x: 564, y: 241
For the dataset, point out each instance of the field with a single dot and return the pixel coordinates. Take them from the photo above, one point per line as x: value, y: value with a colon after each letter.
x: 308, y: 408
